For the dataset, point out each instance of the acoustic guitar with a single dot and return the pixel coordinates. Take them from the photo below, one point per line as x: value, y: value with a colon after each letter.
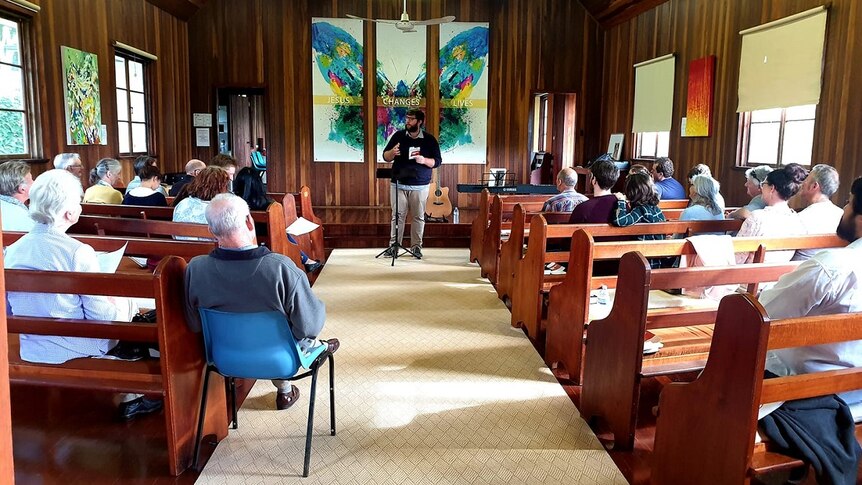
x: 438, y: 205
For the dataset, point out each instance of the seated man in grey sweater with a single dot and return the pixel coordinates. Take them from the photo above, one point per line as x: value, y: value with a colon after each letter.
x: 259, y: 280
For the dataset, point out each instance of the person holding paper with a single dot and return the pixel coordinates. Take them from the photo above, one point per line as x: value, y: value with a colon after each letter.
x: 249, y: 186
x: 413, y: 153
x: 55, y: 205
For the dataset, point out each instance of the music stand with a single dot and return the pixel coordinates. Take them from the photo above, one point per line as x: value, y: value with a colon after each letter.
x: 394, y: 175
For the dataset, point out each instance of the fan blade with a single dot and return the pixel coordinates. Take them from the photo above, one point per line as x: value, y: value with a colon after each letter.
x: 441, y: 20
x: 382, y: 21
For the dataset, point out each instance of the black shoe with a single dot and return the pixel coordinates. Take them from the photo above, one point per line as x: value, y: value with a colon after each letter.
x: 138, y: 407
x: 313, y: 266
x: 417, y: 252
x: 391, y: 252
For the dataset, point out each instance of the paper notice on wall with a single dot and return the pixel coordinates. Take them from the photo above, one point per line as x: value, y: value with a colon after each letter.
x: 301, y: 226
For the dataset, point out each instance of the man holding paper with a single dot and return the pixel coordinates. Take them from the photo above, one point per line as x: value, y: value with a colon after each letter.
x: 413, y: 153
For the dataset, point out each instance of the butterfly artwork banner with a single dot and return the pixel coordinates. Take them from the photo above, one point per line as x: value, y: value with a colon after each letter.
x: 337, y: 83
x: 464, y: 92
x: 400, y: 79
x: 83, y: 105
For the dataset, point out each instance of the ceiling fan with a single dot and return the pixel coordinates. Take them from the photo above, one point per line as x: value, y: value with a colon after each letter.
x: 405, y: 24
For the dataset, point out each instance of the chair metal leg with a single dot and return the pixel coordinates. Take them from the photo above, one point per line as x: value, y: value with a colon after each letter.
x: 331, y: 395
x: 233, y: 402
x: 309, y: 431
x: 201, y: 416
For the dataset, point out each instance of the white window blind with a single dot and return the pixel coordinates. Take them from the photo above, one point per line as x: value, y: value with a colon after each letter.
x: 781, y: 61
x: 654, y: 95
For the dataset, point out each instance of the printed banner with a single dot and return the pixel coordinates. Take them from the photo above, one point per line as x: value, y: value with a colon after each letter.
x: 337, y: 83
x: 401, y: 68
x: 83, y: 105
x: 464, y: 92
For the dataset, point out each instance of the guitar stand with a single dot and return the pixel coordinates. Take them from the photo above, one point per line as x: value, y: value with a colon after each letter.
x: 429, y: 218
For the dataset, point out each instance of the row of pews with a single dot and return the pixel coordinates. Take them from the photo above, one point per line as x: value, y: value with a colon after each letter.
x: 601, y: 347
x: 177, y: 376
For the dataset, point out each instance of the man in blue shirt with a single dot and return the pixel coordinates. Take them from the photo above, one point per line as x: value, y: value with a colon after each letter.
x: 667, y: 187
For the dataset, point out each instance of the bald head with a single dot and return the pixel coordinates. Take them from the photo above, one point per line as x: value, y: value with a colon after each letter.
x: 568, y: 177
x: 194, y: 166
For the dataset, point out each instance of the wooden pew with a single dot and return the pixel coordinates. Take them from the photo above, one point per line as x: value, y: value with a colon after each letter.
x: 705, y: 432
x: 568, y: 300
x: 511, y: 253
x: 487, y: 236
x: 614, y: 364
x: 136, y: 246
x: 156, y: 221
x: 311, y: 243
x: 531, y: 203
x: 177, y: 376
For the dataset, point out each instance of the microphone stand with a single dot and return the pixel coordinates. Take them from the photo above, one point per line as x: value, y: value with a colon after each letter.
x: 395, y: 248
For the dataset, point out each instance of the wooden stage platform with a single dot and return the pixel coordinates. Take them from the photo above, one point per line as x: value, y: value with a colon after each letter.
x: 368, y: 227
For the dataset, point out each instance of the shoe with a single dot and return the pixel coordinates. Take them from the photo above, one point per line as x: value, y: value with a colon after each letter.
x: 139, y: 407
x: 391, y: 252
x: 555, y: 268
x: 331, y: 345
x: 284, y: 400
x: 311, y: 266
x: 417, y: 252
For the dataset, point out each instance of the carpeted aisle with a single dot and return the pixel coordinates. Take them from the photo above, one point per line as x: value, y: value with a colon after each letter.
x: 432, y: 386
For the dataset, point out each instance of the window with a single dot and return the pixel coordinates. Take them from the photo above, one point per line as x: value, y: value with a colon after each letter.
x: 652, y: 145
x: 16, y: 110
x: 776, y: 136
x: 132, y: 104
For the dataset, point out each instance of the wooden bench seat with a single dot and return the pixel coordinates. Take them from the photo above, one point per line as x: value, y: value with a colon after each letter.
x: 512, y: 255
x: 614, y: 364
x: 136, y: 246
x: 715, y: 416
x: 177, y: 376
x: 568, y: 301
x: 156, y: 222
x: 485, y: 232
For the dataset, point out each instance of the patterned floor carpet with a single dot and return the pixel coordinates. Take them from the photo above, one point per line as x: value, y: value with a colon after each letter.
x: 432, y: 386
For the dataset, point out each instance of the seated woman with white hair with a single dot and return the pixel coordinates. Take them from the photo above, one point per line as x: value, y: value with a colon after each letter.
x: 55, y: 205
x: 706, y: 201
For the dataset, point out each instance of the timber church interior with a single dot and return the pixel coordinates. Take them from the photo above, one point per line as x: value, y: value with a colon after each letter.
x: 523, y: 346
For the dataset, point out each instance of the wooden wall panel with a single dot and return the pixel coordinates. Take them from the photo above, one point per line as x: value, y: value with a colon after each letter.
x: 267, y: 43
x: 92, y: 26
x: 697, y: 28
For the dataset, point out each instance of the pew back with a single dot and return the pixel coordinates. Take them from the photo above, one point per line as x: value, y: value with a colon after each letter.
x: 716, y: 415
x: 177, y: 375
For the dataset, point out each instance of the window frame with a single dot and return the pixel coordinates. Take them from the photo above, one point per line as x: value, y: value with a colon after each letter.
x: 743, y: 138
x: 26, y: 49
x: 146, y: 65
x: 638, y: 154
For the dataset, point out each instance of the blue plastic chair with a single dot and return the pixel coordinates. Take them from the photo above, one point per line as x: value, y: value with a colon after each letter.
x: 260, y: 346
x: 258, y: 161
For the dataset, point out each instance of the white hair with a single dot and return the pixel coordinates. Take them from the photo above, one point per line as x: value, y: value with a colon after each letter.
x: 226, y: 214
x: 707, y: 193
x: 53, y: 194
x: 826, y: 177
x: 757, y: 175
x: 63, y: 160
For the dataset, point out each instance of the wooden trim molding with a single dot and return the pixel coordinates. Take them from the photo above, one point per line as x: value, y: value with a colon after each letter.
x: 136, y: 51
x: 32, y: 7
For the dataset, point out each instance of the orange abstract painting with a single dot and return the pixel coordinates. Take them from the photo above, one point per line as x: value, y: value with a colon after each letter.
x: 701, y: 76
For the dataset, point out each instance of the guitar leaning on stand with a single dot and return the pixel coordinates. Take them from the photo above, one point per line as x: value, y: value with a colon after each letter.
x: 438, y: 207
